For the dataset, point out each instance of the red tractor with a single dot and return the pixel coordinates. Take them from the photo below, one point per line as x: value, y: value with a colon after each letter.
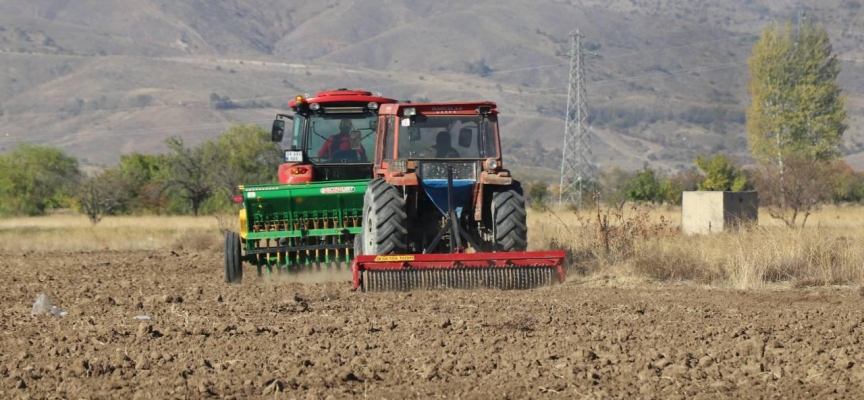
x: 312, y: 217
x: 332, y: 133
x: 442, y: 211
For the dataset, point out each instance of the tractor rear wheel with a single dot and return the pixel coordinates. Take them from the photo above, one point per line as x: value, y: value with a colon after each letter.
x: 509, y: 225
x: 233, y: 262
x: 384, y: 220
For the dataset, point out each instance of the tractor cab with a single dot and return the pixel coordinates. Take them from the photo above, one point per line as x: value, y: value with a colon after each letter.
x: 332, y: 136
x: 442, y: 155
x: 422, y: 139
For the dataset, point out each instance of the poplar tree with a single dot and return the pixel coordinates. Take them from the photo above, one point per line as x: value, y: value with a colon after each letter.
x: 796, y: 118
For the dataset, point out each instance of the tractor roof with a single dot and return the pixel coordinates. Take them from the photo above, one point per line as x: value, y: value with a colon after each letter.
x: 342, y: 96
x: 453, y: 107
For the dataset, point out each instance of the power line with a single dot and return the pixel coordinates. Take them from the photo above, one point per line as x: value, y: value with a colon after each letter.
x: 635, y: 53
x: 552, y: 90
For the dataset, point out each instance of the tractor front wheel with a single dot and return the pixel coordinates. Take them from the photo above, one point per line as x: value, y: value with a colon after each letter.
x: 509, y: 225
x: 384, y: 220
x: 233, y: 261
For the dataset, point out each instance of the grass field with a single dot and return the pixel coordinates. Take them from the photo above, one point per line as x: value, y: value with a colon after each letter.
x: 644, y: 243
x: 639, y: 244
x: 75, y: 233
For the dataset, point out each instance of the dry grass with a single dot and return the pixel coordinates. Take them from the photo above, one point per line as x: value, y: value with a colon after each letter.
x: 645, y: 243
x: 75, y: 233
x: 641, y: 243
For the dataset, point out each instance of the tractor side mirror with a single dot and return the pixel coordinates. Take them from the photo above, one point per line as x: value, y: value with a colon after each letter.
x: 465, y: 137
x: 354, y: 138
x: 278, y: 130
x: 414, y: 134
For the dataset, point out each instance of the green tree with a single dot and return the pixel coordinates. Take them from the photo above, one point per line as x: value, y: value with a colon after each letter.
x: 796, y: 104
x: 645, y: 186
x: 849, y: 185
x: 189, y: 172
x: 34, y: 179
x: 797, y: 116
x: 245, y: 155
x: 613, y: 186
x: 720, y: 174
x: 144, y: 176
x: 537, y: 194
x: 102, y: 194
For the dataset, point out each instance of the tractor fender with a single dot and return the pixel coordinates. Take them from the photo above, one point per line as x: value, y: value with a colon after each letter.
x: 409, y: 179
x: 244, y: 229
x: 495, y: 179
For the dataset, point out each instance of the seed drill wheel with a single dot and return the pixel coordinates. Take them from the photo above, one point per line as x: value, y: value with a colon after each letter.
x: 509, y: 226
x: 358, y: 244
x: 233, y: 263
x: 384, y: 220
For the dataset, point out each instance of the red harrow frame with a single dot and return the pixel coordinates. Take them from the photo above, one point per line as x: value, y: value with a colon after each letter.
x: 404, y: 272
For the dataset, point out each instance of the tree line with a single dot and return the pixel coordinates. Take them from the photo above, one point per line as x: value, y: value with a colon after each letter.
x: 203, y: 179
x: 838, y: 184
x: 187, y: 179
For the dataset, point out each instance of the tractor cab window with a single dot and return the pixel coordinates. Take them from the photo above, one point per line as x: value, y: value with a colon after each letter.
x: 340, y: 138
x: 296, y: 132
x: 448, y: 137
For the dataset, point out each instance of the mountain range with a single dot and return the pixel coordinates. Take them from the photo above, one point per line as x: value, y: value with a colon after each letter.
x: 666, y: 79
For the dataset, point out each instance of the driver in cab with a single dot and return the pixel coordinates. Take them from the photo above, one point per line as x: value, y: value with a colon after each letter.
x: 342, y: 143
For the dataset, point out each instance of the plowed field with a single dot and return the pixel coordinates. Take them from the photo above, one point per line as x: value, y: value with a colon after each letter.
x: 321, y: 340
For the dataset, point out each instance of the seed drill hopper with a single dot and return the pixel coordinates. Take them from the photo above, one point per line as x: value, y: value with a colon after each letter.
x: 444, y: 213
x: 310, y: 219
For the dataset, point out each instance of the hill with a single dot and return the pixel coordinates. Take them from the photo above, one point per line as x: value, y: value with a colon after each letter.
x: 668, y: 81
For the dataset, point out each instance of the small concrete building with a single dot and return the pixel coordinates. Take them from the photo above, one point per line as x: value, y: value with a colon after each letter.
x: 705, y: 211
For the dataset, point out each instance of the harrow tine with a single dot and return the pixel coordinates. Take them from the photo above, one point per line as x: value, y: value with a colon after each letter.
x: 523, y: 270
x: 516, y: 278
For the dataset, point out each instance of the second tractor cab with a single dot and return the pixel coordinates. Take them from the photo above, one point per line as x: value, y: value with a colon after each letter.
x: 333, y: 136
x: 312, y: 217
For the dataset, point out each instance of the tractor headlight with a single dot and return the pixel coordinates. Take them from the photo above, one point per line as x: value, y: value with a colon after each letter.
x: 491, y: 164
x: 314, y: 106
x: 410, y: 112
x: 373, y: 106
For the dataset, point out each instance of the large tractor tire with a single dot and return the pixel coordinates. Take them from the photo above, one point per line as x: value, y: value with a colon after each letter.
x: 233, y: 261
x: 509, y: 225
x: 384, y: 220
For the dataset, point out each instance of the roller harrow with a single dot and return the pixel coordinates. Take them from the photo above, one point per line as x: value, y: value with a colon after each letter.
x: 505, y: 271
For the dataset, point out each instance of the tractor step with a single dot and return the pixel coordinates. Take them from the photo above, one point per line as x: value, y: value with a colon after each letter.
x: 506, y: 271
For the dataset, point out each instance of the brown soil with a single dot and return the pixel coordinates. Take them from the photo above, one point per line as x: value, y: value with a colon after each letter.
x: 320, y: 340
